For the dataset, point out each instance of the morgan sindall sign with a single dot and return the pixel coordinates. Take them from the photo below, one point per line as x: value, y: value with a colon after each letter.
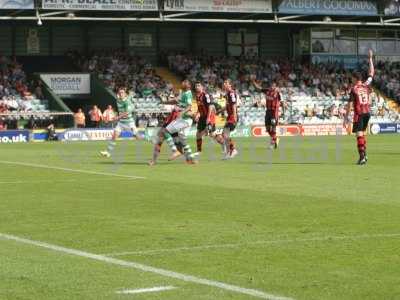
x: 68, y: 84
x: 329, y: 7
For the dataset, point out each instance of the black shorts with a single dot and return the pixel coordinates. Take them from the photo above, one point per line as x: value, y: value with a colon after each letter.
x: 230, y: 126
x: 270, y: 119
x: 362, y: 123
x: 202, y: 124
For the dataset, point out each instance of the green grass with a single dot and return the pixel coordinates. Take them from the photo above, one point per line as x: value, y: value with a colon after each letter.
x: 305, y: 223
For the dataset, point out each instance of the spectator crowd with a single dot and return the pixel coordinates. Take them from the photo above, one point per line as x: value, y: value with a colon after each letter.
x: 387, y: 79
x: 120, y: 68
x: 311, y: 92
x: 17, y: 94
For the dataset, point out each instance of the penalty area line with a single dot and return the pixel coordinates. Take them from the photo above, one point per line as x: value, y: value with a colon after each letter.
x: 147, y: 290
x: 146, y: 268
x: 258, y: 243
x: 16, y: 163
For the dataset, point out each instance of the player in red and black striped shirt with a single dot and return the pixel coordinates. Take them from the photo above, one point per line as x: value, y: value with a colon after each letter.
x: 359, y: 99
x: 273, y: 102
x: 205, y: 117
x: 231, y: 98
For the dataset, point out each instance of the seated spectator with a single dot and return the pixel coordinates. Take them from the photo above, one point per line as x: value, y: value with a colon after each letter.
x: 308, y: 112
x: 3, y: 125
x: 51, y: 133
x: 38, y: 91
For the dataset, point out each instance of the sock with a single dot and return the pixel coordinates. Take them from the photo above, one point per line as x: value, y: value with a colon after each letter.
x: 199, y: 143
x: 188, y: 152
x: 111, y: 146
x: 273, y: 136
x: 361, y: 146
x: 156, y: 151
x: 226, y: 146
x: 170, y: 142
x: 178, y: 144
x: 231, y: 145
x: 365, y: 145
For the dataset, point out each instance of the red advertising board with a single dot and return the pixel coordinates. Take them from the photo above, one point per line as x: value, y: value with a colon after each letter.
x: 323, y: 129
x: 284, y: 130
x: 303, y: 130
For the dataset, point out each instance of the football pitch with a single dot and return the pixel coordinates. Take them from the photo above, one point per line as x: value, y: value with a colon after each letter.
x: 301, y: 222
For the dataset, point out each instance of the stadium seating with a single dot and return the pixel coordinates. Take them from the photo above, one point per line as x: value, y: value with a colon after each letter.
x: 16, y: 94
x: 322, y: 89
x: 388, y: 79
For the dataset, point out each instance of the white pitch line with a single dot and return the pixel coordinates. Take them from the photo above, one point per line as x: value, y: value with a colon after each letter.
x: 68, y: 169
x: 238, y: 245
x: 146, y: 268
x: 56, y: 180
x: 147, y: 290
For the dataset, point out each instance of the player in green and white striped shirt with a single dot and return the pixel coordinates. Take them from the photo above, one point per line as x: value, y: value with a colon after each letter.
x: 126, y: 120
x: 175, y: 132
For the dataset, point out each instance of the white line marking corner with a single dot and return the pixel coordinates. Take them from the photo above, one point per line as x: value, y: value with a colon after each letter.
x: 146, y: 268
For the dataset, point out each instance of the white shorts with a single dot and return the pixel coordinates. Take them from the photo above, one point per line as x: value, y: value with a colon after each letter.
x: 179, y: 125
x: 125, y: 127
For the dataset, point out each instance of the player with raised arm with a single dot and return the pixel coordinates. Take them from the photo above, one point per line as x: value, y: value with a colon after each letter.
x: 231, y: 98
x: 126, y: 120
x: 205, y: 117
x: 360, y: 101
x: 273, y: 102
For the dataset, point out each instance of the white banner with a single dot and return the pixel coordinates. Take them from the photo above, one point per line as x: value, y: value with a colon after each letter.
x: 87, y: 135
x: 234, y: 6
x: 33, y: 42
x: 68, y: 84
x: 145, y: 5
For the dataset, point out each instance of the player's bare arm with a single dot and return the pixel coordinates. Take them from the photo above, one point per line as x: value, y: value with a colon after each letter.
x: 171, y: 102
x: 186, y: 111
x: 234, y: 107
x: 256, y: 84
x: 211, y: 110
x: 123, y: 115
x: 371, y: 72
x: 348, y: 109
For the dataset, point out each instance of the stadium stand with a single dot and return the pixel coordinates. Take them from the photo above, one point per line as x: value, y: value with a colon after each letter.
x: 388, y: 79
x: 311, y: 93
x: 118, y: 68
x: 18, y: 97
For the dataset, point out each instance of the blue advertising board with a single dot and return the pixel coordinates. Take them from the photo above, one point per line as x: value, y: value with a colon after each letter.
x: 379, y: 128
x: 16, y: 4
x: 329, y: 7
x: 348, y: 61
x: 14, y: 136
x: 95, y: 134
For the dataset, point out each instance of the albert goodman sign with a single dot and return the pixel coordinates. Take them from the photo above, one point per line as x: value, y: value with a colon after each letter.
x: 329, y: 7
